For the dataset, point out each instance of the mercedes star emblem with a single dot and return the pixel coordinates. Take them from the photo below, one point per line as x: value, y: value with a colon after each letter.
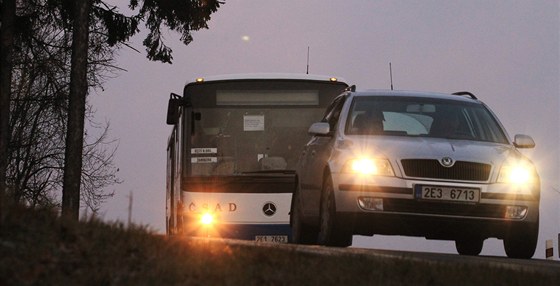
x: 269, y: 209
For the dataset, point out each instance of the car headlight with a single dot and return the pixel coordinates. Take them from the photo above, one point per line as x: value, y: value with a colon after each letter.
x: 367, y: 166
x: 518, y: 173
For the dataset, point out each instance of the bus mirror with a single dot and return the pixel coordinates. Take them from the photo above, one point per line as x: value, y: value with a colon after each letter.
x: 173, y: 111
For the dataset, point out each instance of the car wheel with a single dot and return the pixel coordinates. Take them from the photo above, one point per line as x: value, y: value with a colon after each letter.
x: 469, y: 245
x: 332, y: 231
x: 302, y: 233
x: 521, y: 241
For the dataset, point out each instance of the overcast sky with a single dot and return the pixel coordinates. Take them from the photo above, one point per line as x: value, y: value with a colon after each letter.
x: 506, y: 52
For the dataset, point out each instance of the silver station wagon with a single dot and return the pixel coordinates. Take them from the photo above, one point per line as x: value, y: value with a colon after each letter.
x: 433, y: 165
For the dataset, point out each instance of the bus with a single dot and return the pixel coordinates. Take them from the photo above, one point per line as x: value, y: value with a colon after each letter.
x: 233, y: 149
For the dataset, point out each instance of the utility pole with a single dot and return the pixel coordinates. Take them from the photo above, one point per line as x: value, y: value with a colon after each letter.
x: 129, y: 208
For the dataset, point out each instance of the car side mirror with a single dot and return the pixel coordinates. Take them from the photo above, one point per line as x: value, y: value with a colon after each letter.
x: 523, y: 141
x: 319, y: 128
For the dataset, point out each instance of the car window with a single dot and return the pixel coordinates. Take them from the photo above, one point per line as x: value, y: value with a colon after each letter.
x: 411, y: 124
x: 411, y: 116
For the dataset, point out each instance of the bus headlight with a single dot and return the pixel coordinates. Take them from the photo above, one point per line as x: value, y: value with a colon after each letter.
x: 367, y: 166
x: 519, y: 173
x: 207, y: 219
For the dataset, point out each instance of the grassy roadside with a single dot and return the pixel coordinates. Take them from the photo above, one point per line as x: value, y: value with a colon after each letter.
x: 37, y: 249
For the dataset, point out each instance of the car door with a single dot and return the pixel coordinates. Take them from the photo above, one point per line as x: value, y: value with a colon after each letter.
x: 315, y: 156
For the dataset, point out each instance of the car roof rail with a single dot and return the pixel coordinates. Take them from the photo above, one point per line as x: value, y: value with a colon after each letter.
x: 465, y: 93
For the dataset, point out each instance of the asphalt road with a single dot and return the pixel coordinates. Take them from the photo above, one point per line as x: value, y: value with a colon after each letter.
x: 490, y: 269
x: 541, y: 264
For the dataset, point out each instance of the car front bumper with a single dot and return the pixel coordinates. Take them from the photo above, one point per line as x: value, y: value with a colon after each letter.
x: 389, y: 205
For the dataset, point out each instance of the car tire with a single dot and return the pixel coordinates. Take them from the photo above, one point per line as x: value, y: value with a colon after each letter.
x: 469, y: 245
x: 521, y: 241
x: 332, y: 230
x: 302, y: 233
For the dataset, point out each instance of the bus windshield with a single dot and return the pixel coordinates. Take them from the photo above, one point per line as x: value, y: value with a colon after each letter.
x: 252, y: 126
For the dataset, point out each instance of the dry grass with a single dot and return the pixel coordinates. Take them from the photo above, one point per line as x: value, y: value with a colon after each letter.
x: 36, y: 248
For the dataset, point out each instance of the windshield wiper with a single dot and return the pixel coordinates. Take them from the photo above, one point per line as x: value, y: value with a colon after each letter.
x: 270, y: 172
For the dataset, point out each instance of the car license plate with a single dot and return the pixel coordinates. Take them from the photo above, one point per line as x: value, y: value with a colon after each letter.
x: 272, y: 238
x: 445, y: 193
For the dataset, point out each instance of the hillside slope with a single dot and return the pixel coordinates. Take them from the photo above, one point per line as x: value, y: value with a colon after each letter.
x: 37, y: 249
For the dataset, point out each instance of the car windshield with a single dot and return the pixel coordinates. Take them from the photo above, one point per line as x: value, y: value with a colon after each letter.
x: 413, y: 116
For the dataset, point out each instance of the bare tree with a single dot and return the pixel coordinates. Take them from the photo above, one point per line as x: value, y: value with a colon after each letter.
x: 181, y: 16
x: 51, y: 101
x: 39, y: 115
x: 8, y: 13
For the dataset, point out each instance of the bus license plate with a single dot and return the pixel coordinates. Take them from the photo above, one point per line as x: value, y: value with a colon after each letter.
x: 272, y: 238
x: 450, y: 194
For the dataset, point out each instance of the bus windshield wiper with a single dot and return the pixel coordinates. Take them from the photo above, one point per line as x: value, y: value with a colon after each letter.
x: 270, y: 172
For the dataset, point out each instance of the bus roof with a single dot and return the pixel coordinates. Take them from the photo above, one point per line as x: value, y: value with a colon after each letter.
x: 249, y: 76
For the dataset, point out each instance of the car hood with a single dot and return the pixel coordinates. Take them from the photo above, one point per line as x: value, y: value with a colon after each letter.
x: 398, y: 148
